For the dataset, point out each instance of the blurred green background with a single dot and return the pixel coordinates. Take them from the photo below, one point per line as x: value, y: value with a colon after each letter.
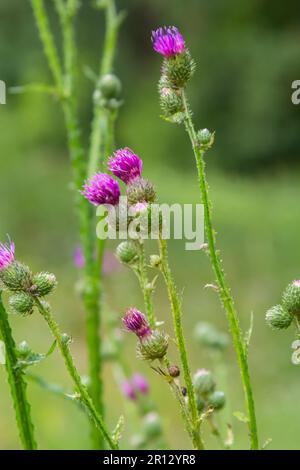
x: 247, y: 56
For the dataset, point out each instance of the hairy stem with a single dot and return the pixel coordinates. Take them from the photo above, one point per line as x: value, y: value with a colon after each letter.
x: 141, y: 272
x: 17, y: 384
x: 177, y: 321
x: 224, y: 290
x: 84, y: 396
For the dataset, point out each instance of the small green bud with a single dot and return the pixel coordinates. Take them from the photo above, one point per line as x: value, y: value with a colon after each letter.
x: 291, y: 298
x: 205, y: 138
x: 140, y: 190
x: 203, y: 382
x: 174, y: 371
x: 66, y: 339
x: 155, y: 261
x: 278, y: 318
x: 21, y: 303
x: 153, y: 346
x: 23, y: 348
x: 170, y: 98
x: 217, y: 400
x: 43, y: 284
x: 127, y: 252
x: 178, y: 69
x: 207, y: 335
x: 110, y: 86
x: 16, y: 276
x: 200, y: 404
x: 152, y: 425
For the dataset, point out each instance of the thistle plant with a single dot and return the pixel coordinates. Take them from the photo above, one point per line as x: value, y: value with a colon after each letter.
x: 178, y: 68
x: 283, y: 315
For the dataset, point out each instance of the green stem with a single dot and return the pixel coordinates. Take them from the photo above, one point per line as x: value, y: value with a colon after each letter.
x: 83, y: 393
x: 177, y: 321
x: 17, y: 384
x: 224, y: 290
x: 141, y: 272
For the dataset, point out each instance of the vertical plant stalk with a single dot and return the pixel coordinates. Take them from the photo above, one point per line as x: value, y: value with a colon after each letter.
x: 17, y: 384
x: 180, y: 340
x: 84, y: 396
x: 224, y: 290
x: 141, y: 272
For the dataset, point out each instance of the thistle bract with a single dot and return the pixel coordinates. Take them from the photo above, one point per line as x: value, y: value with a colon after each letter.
x: 16, y: 276
x: 127, y: 252
x: 291, y: 298
x: 126, y: 165
x: 203, y: 382
x: 102, y: 189
x: 140, y: 190
x: 278, y: 318
x: 153, y: 346
x: 21, y: 303
x: 168, y: 41
x: 178, y: 69
x: 43, y: 284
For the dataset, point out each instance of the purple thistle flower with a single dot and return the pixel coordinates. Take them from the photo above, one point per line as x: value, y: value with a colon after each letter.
x: 168, y: 41
x: 125, y: 165
x: 135, y: 321
x: 7, y: 254
x: 140, y: 383
x: 297, y: 283
x: 128, y: 390
x: 102, y: 189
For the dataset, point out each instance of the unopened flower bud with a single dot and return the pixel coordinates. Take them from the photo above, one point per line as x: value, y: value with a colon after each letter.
x: 140, y: 190
x: 200, y: 404
x: 21, y: 303
x: 43, y: 284
x: 155, y: 261
x: 16, y: 276
x: 205, y: 138
x: 23, y: 348
x: 291, y: 298
x: 170, y: 98
x: 152, y: 425
x: 217, y: 400
x: 136, y: 322
x: 153, y: 346
x: 278, y: 318
x: 174, y: 371
x: 203, y: 382
x: 207, y: 335
x: 178, y: 69
x: 110, y: 86
x: 127, y: 252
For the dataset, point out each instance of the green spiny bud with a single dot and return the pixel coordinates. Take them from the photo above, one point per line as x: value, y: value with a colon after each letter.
x: 203, y: 382
x: 127, y: 252
x: 205, y: 138
x: 207, y: 335
x: 152, y: 425
x: 155, y: 261
x: 291, y: 298
x: 43, y: 284
x: 110, y: 86
x: 21, y: 303
x: 153, y: 346
x: 217, y: 400
x: 278, y: 318
x: 16, y: 277
x: 178, y: 69
x: 170, y: 98
x: 140, y: 190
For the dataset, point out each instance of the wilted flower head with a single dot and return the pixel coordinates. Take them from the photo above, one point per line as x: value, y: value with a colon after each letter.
x: 168, y: 41
x: 102, y: 189
x: 126, y: 165
x: 135, y: 321
x: 7, y: 254
x: 128, y: 390
x: 140, y: 383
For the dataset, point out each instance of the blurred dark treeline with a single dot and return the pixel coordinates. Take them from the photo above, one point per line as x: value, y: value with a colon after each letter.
x: 247, y: 55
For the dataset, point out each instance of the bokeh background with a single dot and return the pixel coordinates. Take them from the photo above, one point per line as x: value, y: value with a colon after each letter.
x: 247, y: 56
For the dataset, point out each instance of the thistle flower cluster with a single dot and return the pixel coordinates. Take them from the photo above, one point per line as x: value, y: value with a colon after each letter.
x: 134, y: 386
x: 18, y: 279
x: 206, y: 394
x: 177, y: 69
x: 282, y: 315
x: 152, y: 344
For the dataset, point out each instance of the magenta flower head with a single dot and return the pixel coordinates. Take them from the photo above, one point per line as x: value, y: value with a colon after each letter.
x: 297, y: 283
x: 126, y: 165
x: 102, y: 189
x: 7, y: 254
x: 135, y: 321
x: 140, y: 383
x: 168, y: 41
x: 128, y: 390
